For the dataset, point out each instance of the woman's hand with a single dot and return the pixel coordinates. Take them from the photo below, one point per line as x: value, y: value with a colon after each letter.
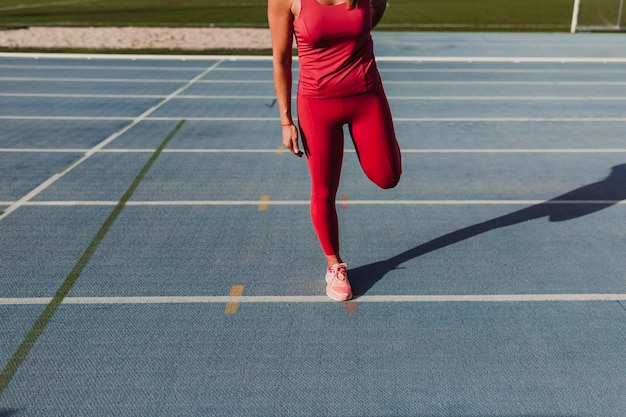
x: 290, y: 140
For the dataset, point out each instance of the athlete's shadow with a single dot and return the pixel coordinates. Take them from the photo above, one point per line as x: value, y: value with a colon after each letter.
x: 577, y: 203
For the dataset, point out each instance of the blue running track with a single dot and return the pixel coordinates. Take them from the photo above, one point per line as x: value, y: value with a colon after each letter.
x: 157, y: 257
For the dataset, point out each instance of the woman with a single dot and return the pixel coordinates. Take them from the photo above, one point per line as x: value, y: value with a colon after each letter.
x: 339, y: 84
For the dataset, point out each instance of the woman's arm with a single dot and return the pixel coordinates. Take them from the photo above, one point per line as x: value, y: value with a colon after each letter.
x: 378, y: 9
x: 280, y: 19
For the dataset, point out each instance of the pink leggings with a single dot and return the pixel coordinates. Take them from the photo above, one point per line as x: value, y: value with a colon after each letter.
x: 321, y: 124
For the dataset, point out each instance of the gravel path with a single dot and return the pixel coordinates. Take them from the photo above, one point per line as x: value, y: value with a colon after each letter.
x: 135, y: 38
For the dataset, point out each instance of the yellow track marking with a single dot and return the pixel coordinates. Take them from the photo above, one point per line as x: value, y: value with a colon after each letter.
x: 233, y: 306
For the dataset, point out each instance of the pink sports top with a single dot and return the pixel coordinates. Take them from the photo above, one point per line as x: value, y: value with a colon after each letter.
x: 335, y: 50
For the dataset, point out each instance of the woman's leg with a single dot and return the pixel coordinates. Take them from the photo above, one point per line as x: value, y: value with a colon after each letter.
x: 322, y: 136
x: 374, y: 138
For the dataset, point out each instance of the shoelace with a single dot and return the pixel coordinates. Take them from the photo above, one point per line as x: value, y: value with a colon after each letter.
x: 339, y: 272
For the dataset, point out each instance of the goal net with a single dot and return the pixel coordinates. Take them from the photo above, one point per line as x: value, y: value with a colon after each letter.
x: 598, y: 15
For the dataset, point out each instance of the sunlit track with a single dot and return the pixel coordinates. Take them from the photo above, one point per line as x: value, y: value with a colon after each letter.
x: 157, y: 256
x: 51, y: 180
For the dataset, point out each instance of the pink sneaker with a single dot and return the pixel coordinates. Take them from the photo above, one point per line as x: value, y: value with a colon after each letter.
x: 338, y: 287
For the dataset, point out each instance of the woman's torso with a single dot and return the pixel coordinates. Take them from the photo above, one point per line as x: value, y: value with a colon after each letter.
x: 335, y: 50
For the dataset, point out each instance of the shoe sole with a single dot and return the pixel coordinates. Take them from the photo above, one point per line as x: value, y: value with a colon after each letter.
x: 338, y: 297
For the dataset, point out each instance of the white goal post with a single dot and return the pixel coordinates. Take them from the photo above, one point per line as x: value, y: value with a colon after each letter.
x: 597, y: 15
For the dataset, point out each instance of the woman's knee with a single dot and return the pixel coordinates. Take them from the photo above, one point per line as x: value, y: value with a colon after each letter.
x: 387, y: 180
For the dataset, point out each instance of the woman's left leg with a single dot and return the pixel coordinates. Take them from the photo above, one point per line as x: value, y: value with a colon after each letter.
x: 374, y: 138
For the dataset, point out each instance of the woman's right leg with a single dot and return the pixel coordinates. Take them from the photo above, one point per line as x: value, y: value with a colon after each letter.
x: 322, y: 136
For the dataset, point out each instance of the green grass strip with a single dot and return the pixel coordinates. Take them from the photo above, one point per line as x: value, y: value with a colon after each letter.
x: 404, y: 15
x: 29, y: 341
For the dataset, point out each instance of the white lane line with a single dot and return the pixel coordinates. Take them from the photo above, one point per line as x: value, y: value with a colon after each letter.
x: 290, y: 299
x: 510, y: 119
x: 268, y: 97
x: 120, y: 150
x: 78, y: 118
x: 221, y: 119
x: 95, y: 80
x: 100, y: 145
x: 426, y: 151
x: 64, y: 95
x: 509, y: 98
x: 274, y: 119
x: 574, y: 150
x: 110, y: 68
x: 42, y: 150
x: 595, y: 69
x: 157, y: 68
x: 273, y: 151
x: 551, y: 83
x: 182, y: 203
x: 136, y: 57
x: 415, y: 119
x: 268, y: 58
x: 168, y: 203
x: 269, y: 81
x: 511, y: 59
